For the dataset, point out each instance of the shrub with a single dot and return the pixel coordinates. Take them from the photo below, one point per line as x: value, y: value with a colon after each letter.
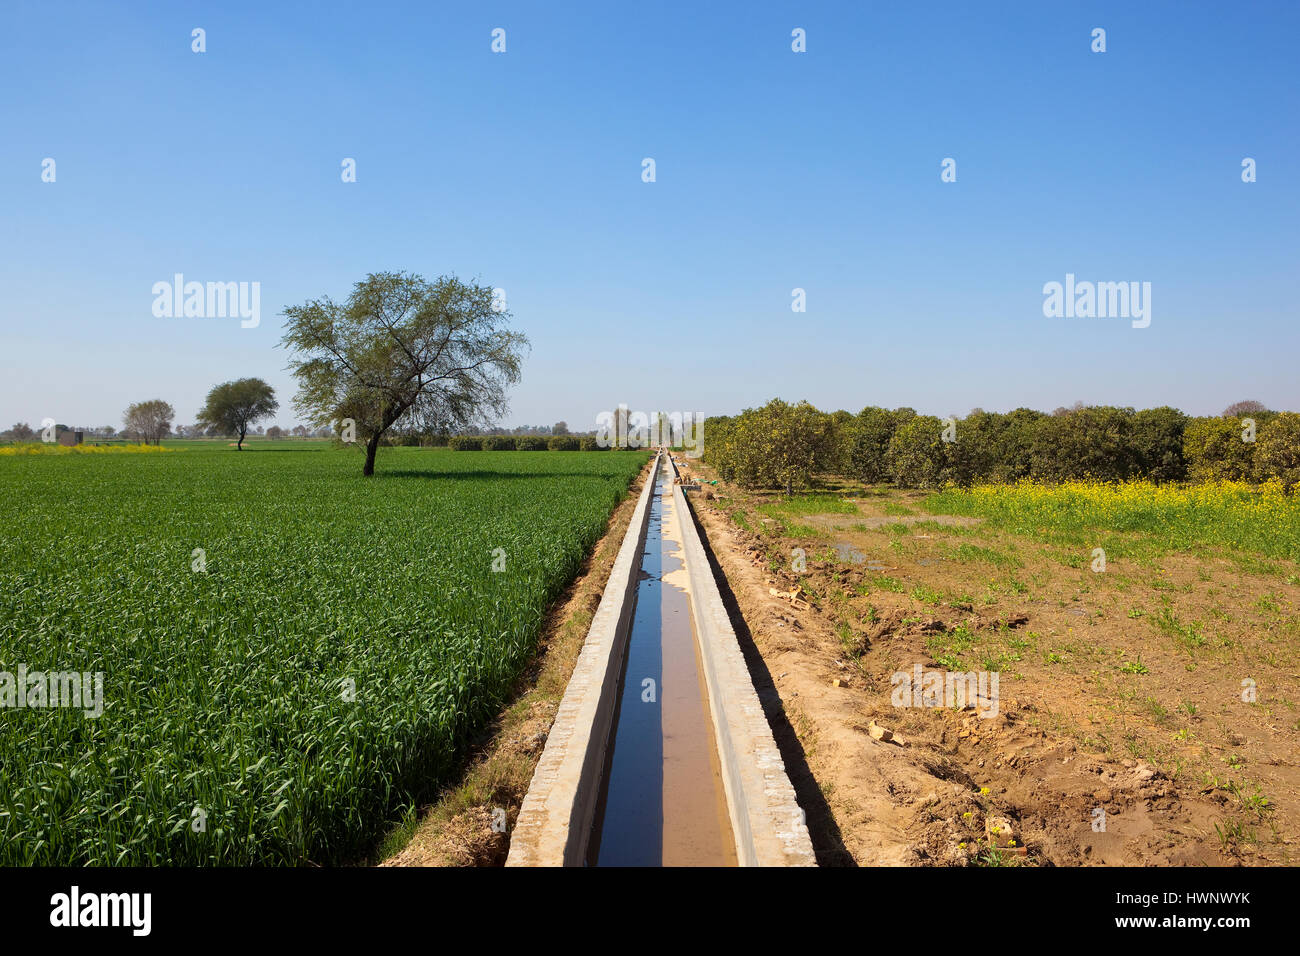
x: 530, y: 443
x: 563, y: 443
x: 466, y: 443
x: 589, y: 443
x: 1215, y: 449
x: 973, y: 455
x: 1156, y: 439
x: 1083, y: 443
x: 778, y: 445
x: 717, y: 450
x: 843, y: 426
x: 1277, y: 450
x: 917, y: 455
x: 869, y: 444
x: 499, y: 443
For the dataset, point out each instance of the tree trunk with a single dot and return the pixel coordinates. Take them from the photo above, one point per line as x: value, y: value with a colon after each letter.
x: 372, y: 446
x: 239, y: 445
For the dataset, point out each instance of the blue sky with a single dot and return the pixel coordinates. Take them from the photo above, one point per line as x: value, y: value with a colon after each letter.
x: 775, y: 170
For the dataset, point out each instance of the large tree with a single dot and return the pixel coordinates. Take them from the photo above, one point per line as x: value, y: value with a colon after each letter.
x: 233, y: 407
x: 148, y: 421
x: 435, y: 356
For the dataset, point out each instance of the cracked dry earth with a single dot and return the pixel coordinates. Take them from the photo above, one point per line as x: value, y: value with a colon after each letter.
x: 1112, y: 744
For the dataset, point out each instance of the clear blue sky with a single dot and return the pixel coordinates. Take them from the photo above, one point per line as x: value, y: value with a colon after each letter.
x: 775, y: 170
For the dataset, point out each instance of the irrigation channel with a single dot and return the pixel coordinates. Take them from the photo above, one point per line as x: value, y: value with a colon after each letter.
x: 662, y: 763
x: 660, y: 754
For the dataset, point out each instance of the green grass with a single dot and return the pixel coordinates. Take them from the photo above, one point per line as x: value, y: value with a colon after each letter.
x: 949, y: 646
x: 223, y: 690
x: 1187, y: 634
x: 926, y: 595
x: 882, y: 582
x: 968, y: 553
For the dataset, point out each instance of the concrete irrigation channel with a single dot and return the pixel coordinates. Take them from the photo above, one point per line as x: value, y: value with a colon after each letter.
x: 660, y: 753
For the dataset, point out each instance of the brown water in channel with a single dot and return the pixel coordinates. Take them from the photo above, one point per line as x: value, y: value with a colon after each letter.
x: 662, y: 800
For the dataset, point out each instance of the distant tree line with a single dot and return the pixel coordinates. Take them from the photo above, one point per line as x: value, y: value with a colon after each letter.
x: 442, y: 438
x: 525, y: 443
x: 230, y: 411
x: 784, y: 445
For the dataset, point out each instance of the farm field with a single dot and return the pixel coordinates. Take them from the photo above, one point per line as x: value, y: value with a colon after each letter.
x: 1140, y: 518
x: 1156, y: 692
x: 314, y: 671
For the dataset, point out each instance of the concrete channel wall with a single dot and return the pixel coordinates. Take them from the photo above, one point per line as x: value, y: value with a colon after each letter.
x: 766, y: 820
x: 555, y: 821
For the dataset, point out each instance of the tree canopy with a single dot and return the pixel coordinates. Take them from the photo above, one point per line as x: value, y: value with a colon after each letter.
x: 437, y: 356
x: 232, y: 407
x: 149, y: 421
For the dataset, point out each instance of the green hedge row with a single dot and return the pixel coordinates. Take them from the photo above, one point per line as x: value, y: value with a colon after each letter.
x: 783, y: 444
x: 524, y: 443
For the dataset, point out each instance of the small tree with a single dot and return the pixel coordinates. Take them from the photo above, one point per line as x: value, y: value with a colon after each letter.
x: 1014, y: 456
x: 972, y: 456
x: 869, y: 444
x: 1277, y: 453
x: 917, y: 454
x: 22, y: 431
x: 1156, y: 437
x: 1083, y: 442
x: 1217, y: 449
x: 778, y: 445
x: 149, y: 421
x: 233, y: 407
x: 841, y: 441
x: 432, y: 355
x: 801, y: 442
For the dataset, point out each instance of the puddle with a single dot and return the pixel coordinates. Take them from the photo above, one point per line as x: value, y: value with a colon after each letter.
x: 846, y: 553
x: 662, y: 801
